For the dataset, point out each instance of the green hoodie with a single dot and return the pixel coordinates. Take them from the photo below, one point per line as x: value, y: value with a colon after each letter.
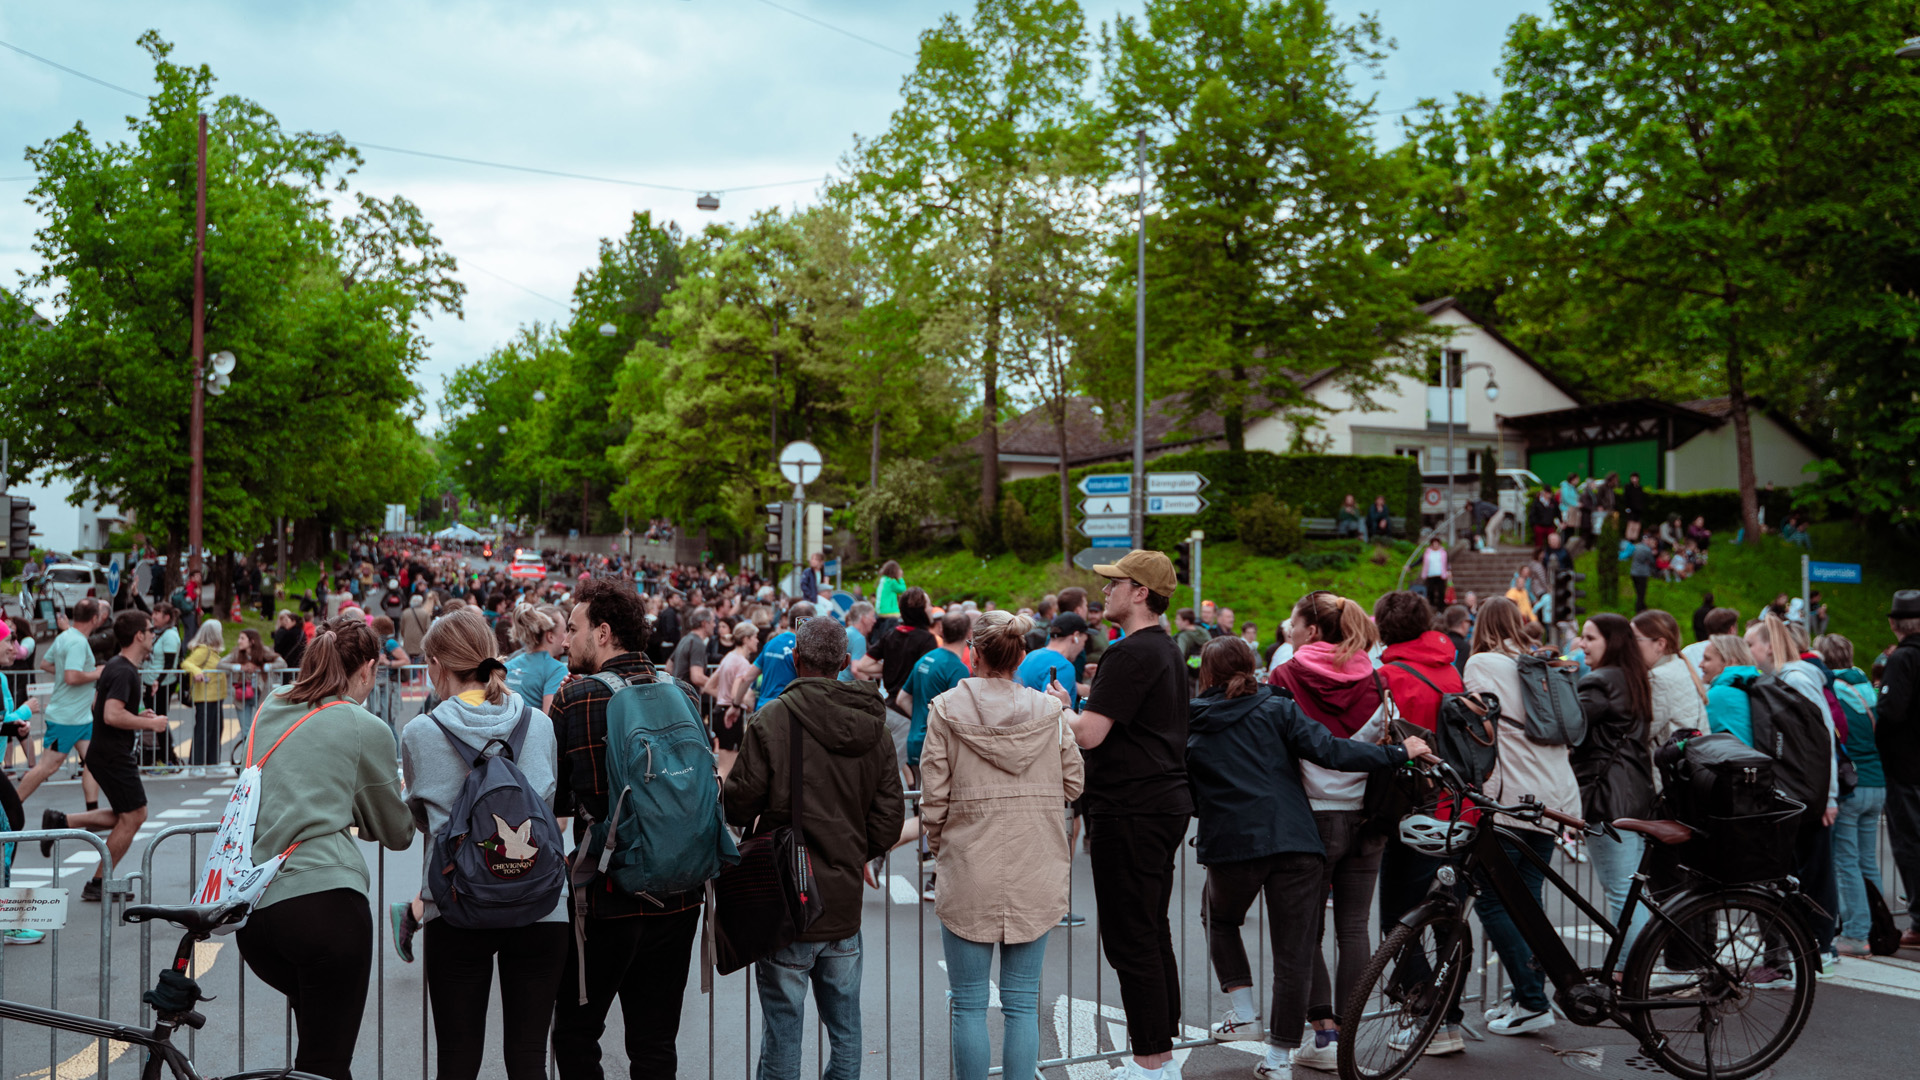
x: 336, y: 772
x: 854, y: 805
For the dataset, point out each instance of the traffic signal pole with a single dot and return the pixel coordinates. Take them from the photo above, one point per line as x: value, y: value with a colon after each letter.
x: 1138, y: 503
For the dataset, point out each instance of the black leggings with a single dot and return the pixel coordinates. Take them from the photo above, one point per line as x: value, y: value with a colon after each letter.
x: 316, y: 949
x: 10, y: 803
x: 460, y: 984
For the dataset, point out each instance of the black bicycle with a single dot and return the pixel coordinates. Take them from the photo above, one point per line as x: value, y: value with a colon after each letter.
x: 1717, y: 985
x: 172, y: 997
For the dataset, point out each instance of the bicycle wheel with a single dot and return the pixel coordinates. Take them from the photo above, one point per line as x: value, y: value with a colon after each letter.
x: 271, y: 1074
x: 1742, y: 1025
x: 1404, y: 996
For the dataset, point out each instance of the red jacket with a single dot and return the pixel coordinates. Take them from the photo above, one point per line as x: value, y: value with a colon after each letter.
x: 1430, y: 654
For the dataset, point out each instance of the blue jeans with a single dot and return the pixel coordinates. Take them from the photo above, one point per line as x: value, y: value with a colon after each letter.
x: 1856, y: 857
x: 1529, y: 984
x: 1614, y: 864
x: 968, y: 966
x: 833, y: 967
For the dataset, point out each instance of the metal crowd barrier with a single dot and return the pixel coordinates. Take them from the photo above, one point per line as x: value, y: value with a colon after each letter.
x: 396, y: 698
x: 904, y: 1010
x: 24, y: 877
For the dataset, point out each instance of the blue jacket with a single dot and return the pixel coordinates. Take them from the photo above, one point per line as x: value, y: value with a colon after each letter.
x: 1243, y: 764
x: 1727, y: 706
x: 1858, y: 698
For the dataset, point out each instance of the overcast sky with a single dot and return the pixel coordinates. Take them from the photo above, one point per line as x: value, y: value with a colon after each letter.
x: 703, y: 94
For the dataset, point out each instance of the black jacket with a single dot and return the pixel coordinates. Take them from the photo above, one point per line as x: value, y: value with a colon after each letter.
x: 1613, y: 765
x: 1543, y: 515
x: 1243, y: 766
x: 1633, y: 501
x: 855, y: 806
x: 1897, y: 727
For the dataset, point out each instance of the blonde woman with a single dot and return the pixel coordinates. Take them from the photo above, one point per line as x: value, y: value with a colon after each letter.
x: 728, y: 723
x: 209, y: 690
x: 999, y: 763
x: 536, y: 671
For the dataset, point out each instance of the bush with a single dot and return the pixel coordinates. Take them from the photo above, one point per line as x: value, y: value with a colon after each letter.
x: 1325, y: 560
x: 1313, y: 484
x: 1033, y: 541
x: 1606, y: 570
x: 1269, y: 526
x: 1720, y: 506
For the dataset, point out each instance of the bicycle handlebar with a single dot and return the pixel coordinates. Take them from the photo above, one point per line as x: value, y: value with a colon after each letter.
x: 1529, y: 809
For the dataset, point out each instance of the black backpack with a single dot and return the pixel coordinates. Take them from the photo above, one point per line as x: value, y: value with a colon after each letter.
x: 1715, y: 776
x: 1789, y: 729
x: 1463, y: 730
x: 1550, y: 701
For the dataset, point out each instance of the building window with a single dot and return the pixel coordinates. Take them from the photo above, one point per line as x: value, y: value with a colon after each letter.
x: 1444, y: 368
x: 1417, y: 453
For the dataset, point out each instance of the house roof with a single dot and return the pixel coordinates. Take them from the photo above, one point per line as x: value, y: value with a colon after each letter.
x: 1721, y: 408
x: 1032, y: 434
x: 1435, y: 307
x: 1639, y: 418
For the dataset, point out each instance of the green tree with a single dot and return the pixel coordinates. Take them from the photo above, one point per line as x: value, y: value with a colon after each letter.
x: 1685, y: 178
x: 489, y: 406
x: 988, y: 101
x: 1272, y: 247
x: 320, y: 303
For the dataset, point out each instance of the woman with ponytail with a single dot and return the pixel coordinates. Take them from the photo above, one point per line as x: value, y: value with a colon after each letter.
x: 1258, y: 835
x: 326, y: 770
x: 536, y: 671
x: 479, y: 714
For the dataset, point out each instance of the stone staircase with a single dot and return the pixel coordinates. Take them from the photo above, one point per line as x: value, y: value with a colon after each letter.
x: 1487, y: 573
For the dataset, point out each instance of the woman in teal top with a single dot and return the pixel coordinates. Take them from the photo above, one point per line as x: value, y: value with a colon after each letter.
x: 1725, y: 659
x: 886, y: 606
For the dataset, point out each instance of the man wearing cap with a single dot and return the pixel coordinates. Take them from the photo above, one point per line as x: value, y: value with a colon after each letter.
x: 1897, y: 731
x: 1043, y: 667
x: 1134, y: 732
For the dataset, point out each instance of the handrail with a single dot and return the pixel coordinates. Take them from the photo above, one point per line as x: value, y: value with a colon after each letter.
x: 1421, y: 545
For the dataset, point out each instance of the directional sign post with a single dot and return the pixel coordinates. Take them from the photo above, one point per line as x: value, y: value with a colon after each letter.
x: 1106, y: 484
x: 1175, y: 483
x: 1106, y: 526
x: 1175, y: 504
x: 1105, y: 505
x: 1833, y: 573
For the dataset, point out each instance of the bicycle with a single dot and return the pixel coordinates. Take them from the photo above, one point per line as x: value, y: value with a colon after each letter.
x: 173, y: 998
x: 1725, y: 960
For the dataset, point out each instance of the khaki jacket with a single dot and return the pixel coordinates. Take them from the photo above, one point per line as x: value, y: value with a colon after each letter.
x: 998, y: 768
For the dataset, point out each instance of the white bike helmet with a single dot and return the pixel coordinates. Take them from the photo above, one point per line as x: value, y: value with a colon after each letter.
x: 1428, y: 835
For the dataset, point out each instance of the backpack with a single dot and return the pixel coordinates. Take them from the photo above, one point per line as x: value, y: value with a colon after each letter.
x: 1791, y: 730
x: 664, y: 832
x: 497, y: 863
x: 229, y: 872
x: 1715, y: 776
x: 1883, y: 937
x: 1550, y: 701
x: 1463, y: 731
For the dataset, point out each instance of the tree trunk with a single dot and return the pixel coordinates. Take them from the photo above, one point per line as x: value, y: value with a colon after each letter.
x: 1066, y: 496
x: 586, y: 507
x: 173, y: 576
x: 990, y: 382
x: 1233, y: 418
x: 1742, y: 437
x: 873, y: 476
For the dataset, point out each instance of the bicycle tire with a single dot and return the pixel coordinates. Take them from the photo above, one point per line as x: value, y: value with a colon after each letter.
x: 1753, y: 933
x: 1377, y: 1011
x: 269, y: 1074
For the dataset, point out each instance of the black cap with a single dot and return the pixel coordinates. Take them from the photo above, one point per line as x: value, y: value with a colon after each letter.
x: 1067, y: 623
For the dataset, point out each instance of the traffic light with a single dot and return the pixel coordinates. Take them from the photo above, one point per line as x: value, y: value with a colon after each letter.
x: 1183, y: 563
x: 1566, y: 596
x: 19, y: 527
x: 776, y: 529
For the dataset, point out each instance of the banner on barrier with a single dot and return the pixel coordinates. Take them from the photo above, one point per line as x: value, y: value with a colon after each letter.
x: 33, y: 909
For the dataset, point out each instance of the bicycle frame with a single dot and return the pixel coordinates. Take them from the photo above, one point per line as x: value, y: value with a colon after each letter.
x: 157, y: 1041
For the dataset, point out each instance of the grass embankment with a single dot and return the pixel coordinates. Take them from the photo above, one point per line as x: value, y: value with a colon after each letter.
x: 1745, y: 578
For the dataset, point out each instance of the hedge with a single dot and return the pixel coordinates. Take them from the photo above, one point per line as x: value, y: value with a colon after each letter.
x: 1720, y: 506
x: 1312, y: 484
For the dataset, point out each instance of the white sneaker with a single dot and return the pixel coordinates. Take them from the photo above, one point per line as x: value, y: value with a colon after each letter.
x: 1236, y: 1028
x: 1264, y: 1071
x: 1315, y: 1054
x: 1498, y: 1011
x: 198, y: 772
x: 1446, y: 1041
x: 1128, y: 1070
x: 1520, y: 1021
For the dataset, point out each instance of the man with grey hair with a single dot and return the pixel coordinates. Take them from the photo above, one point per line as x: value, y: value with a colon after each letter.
x: 689, y: 660
x: 854, y: 811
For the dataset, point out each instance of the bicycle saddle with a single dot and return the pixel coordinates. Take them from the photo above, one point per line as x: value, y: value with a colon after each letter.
x: 195, y: 918
x: 1664, y: 832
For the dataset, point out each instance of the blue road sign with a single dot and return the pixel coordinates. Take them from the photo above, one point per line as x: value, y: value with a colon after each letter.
x: 1106, y: 484
x: 113, y: 579
x: 1837, y: 573
x: 1110, y: 541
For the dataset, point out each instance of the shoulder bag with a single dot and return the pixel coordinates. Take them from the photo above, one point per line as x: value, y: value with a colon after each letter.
x: 768, y: 899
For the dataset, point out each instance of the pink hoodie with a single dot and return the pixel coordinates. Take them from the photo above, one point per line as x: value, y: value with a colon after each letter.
x: 1341, y: 696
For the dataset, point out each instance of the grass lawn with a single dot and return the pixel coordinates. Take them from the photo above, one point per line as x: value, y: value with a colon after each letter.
x: 1745, y: 578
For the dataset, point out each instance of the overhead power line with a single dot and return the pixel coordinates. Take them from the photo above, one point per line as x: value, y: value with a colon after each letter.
x: 471, y: 265
x: 837, y: 30
x: 71, y: 71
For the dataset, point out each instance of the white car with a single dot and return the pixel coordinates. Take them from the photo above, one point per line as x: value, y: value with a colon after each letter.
x: 1512, y: 485
x: 71, y: 582
x: 527, y: 565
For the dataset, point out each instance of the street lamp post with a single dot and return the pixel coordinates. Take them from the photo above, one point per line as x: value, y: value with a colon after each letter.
x: 1446, y: 384
x: 196, y: 440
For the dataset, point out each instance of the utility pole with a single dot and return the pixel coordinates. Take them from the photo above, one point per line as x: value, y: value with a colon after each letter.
x: 1138, y: 503
x: 196, y: 479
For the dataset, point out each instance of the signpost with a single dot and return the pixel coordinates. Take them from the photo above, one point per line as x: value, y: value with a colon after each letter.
x: 1106, y: 526
x: 1833, y: 573
x: 1106, y: 484
x: 1104, y: 505
x: 1175, y: 483
x: 1175, y: 504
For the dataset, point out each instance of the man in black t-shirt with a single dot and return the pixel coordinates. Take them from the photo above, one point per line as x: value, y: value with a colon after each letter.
x: 1133, y: 733
x: 116, y: 721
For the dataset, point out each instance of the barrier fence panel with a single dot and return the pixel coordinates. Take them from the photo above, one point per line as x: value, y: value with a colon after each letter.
x: 904, y: 1009
x: 66, y: 1051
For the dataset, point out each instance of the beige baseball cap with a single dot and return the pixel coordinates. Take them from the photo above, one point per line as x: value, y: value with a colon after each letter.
x: 1150, y: 568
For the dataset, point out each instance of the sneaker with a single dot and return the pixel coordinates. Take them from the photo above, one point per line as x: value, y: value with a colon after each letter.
x: 91, y: 890
x: 1498, y: 1011
x: 1071, y: 919
x: 1236, y: 1028
x: 1847, y: 946
x: 23, y: 937
x: 1322, y: 1053
x: 1829, y: 965
x: 197, y: 772
x: 50, y: 819
x: 1264, y: 1071
x: 1447, y: 1040
x: 1910, y: 939
x: 927, y: 893
x: 400, y: 917
x: 1521, y: 1021
x: 1769, y: 978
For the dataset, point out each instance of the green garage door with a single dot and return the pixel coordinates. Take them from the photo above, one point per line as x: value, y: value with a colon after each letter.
x: 1626, y: 458
x: 1552, y: 466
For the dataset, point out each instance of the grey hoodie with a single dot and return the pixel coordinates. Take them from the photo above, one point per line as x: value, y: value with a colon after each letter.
x: 433, y: 773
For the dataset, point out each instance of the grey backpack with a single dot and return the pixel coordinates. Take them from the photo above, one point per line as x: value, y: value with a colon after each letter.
x: 1550, y: 701
x: 497, y: 862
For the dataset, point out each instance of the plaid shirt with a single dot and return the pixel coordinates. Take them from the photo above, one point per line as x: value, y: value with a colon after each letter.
x: 580, y: 728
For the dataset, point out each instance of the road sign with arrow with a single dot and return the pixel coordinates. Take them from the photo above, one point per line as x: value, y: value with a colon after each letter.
x: 1175, y: 504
